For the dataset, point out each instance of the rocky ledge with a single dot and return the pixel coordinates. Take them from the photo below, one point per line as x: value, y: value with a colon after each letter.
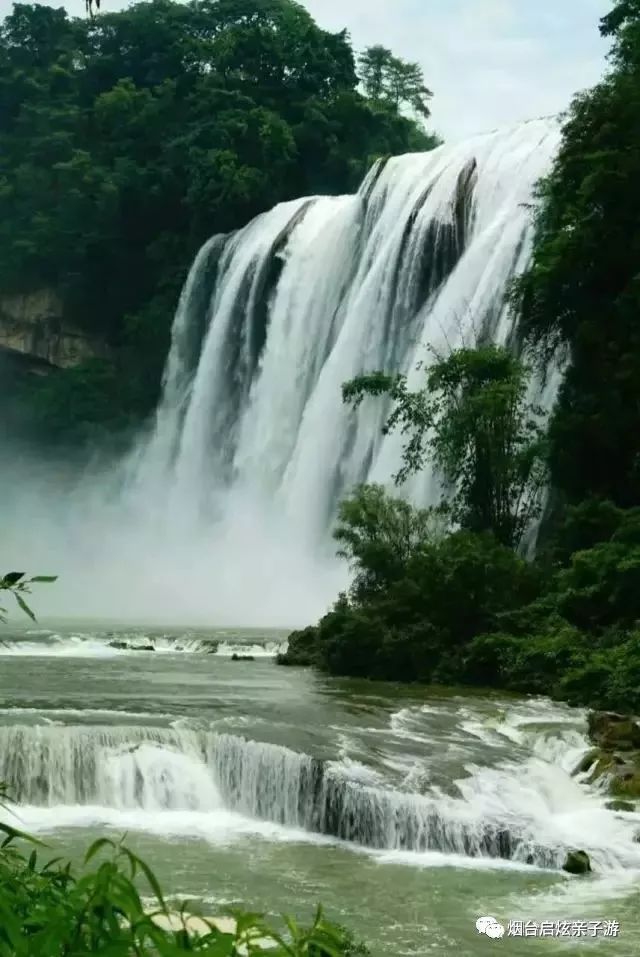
x: 33, y: 328
x: 614, y: 758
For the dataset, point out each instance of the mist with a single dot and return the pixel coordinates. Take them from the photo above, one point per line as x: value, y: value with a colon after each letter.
x: 121, y: 557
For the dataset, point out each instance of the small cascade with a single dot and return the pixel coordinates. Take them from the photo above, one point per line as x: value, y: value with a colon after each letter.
x: 110, y: 644
x: 165, y: 769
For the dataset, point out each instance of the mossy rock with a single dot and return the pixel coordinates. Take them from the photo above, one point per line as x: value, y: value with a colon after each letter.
x: 626, y: 783
x: 614, y: 731
x: 619, y: 805
x: 577, y: 862
x: 587, y: 761
x: 605, y: 763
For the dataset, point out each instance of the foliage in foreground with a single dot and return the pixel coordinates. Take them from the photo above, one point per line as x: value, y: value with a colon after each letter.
x: 51, y: 910
x: 18, y: 585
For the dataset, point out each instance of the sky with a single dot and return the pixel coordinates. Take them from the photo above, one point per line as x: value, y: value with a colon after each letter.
x: 490, y: 63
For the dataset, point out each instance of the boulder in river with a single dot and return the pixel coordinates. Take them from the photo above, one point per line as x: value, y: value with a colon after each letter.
x: 613, y: 731
x: 577, y: 862
x: 235, y: 657
x: 616, y: 757
x: 625, y: 782
x: 618, y: 805
x: 126, y: 646
x: 587, y: 761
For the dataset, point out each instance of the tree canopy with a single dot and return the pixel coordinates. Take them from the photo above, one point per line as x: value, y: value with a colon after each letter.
x: 472, y: 420
x: 394, y: 81
x: 583, y: 287
x: 129, y: 138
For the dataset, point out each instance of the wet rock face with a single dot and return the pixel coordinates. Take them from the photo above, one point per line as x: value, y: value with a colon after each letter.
x: 577, y: 862
x: 614, y: 731
x: 33, y: 325
x: 616, y: 756
x: 127, y: 646
x: 623, y: 806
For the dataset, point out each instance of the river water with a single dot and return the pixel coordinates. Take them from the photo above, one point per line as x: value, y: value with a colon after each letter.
x: 409, y: 812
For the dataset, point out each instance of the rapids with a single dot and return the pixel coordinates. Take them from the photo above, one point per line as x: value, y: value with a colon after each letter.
x: 224, y: 772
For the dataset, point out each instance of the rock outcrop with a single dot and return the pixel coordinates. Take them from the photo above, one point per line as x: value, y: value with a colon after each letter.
x: 33, y: 328
x: 616, y: 755
x: 577, y: 862
x: 128, y: 646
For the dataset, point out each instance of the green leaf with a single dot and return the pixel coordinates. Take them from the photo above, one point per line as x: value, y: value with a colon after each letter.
x: 97, y: 846
x: 44, y: 578
x: 25, y: 607
x: 12, y: 579
x: 153, y: 881
x: 13, y: 834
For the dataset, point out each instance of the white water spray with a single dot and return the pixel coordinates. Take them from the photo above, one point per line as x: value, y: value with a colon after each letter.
x: 530, y: 811
x: 222, y: 514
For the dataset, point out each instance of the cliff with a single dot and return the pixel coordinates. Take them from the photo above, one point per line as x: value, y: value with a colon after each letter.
x: 33, y: 330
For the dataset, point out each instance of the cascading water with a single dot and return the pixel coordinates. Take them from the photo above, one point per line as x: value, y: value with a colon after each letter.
x: 154, y: 770
x: 318, y: 290
x: 221, y: 516
x: 228, y: 500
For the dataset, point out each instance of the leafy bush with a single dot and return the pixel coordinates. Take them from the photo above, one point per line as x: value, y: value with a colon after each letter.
x: 50, y: 910
x: 18, y: 585
x: 582, y: 289
x: 473, y: 421
x: 418, y: 596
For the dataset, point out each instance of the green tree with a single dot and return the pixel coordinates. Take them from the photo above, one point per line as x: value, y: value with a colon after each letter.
x: 128, y: 139
x: 473, y: 420
x: 582, y: 291
x: 394, y: 81
x: 418, y: 626
x: 373, y: 64
x: 377, y: 535
x: 405, y: 86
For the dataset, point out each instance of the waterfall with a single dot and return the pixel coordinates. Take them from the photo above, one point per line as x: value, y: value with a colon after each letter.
x: 228, y: 500
x: 318, y: 290
x: 155, y: 770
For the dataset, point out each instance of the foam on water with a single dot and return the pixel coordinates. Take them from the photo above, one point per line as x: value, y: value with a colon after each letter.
x: 58, y: 646
x: 528, y: 810
x: 92, y: 645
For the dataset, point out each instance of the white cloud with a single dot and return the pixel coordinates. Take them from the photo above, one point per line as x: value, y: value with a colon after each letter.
x: 489, y: 62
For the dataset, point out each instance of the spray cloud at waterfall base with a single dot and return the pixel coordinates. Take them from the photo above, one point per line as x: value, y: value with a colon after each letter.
x: 222, y: 512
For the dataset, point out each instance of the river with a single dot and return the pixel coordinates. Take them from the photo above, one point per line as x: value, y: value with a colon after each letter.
x: 409, y: 812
